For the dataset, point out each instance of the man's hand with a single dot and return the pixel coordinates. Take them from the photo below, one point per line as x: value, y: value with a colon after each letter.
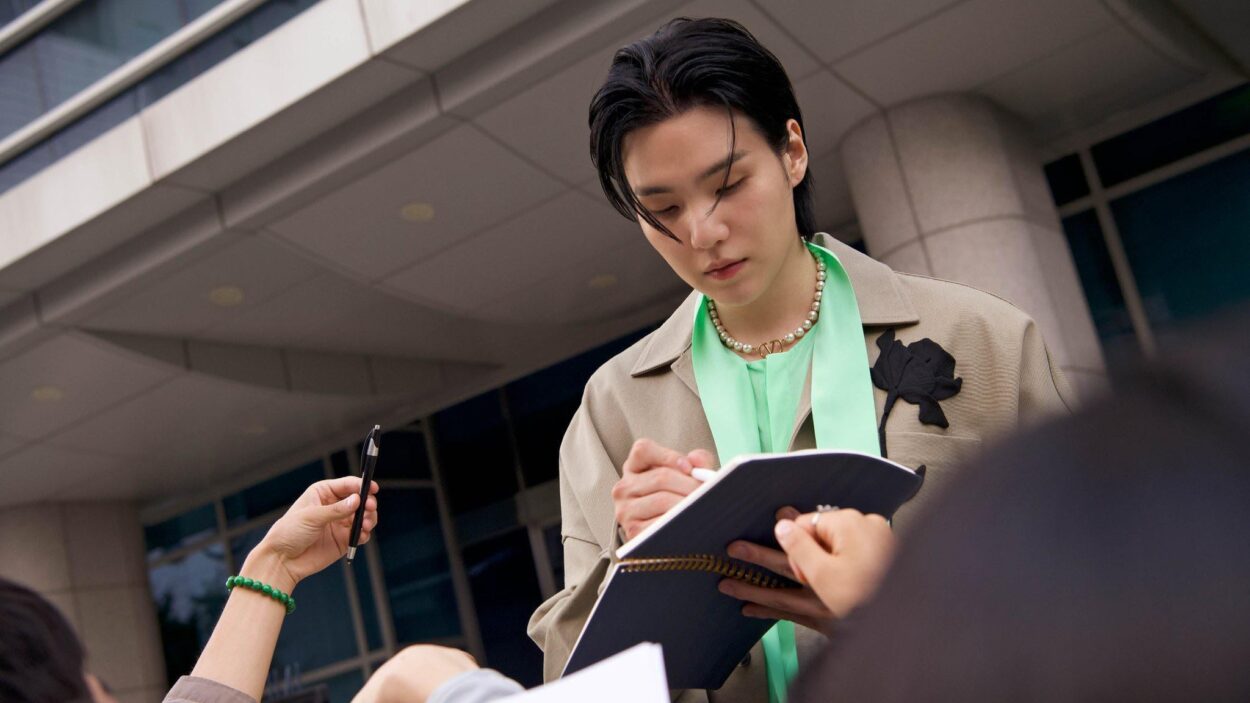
x: 413, y: 674
x: 842, y: 557
x: 800, y: 605
x: 654, y: 479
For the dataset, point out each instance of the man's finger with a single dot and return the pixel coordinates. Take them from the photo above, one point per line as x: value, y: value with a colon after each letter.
x: 771, y: 559
x: 646, y: 454
x: 343, y: 486
x: 325, y: 514
x: 802, y: 550
x: 649, y: 507
x: 658, y: 480
x: 799, y: 601
x: 701, y: 458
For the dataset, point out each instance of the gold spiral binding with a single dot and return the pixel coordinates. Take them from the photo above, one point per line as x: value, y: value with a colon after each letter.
x: 709, y: 563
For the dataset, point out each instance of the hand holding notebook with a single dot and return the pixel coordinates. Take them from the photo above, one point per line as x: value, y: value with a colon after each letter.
x: 664, y: 588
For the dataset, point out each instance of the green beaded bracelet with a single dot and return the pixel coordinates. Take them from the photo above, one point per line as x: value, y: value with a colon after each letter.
x: 252, y: 584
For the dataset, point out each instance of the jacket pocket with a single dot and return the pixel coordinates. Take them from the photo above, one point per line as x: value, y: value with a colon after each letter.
x: 943, y: 456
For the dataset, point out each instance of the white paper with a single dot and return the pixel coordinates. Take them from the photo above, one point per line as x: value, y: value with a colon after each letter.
x: 633, y: 676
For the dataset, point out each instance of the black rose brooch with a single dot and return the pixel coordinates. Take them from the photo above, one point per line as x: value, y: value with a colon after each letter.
x: 922, y: 373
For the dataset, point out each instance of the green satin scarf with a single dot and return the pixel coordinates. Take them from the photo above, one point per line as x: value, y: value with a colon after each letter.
x: 844, y: 413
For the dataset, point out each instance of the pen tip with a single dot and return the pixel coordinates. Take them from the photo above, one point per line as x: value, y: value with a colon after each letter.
x: 377, y: 427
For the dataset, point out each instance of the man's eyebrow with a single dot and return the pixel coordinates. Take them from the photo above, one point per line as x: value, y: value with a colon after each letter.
x: 718, y: 167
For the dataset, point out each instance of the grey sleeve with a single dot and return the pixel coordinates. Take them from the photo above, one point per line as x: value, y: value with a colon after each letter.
x: 477, y: 686
x: 193, y: 689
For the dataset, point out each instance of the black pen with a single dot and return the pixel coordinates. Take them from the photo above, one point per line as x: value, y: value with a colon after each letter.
x: 368, y: 459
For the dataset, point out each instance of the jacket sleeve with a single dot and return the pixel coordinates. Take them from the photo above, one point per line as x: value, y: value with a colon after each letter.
x: 193, y: 689
x: 589, y: 534
x: 1044, y: 391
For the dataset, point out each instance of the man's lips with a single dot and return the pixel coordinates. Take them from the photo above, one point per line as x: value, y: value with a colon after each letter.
x: 723, y: 270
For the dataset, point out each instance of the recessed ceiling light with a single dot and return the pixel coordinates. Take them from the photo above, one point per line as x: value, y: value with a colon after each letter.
x: 417, y: 212
x: 226, y: 296
x: 255, y: 429
x: 47, y: 394
x: 602, y: 281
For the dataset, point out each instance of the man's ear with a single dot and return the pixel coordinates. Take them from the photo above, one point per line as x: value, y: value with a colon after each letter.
x: 794, y: 156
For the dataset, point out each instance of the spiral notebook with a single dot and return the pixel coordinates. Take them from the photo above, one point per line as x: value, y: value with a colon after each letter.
x: 664, y: 587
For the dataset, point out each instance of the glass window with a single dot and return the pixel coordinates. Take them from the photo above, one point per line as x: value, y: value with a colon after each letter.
x: 368, y: 607
x: 1188, y: 240
x: 416, y: 569
x: 344, y: 687
x: 320, y: 631
x: 82, y: 46
x: 272, y: 494
x: 12, y: 9
x: 90, y: 41
x: 543, y: 403
x: 1102, y: 289
x: 177, y: 531
x: 505, y: 592
x: 1198, y: 127
x: 1066, y: 179
x: 189, y: 594
x: 482, y: 523
x: 402, y: 455
x: 475, y: 453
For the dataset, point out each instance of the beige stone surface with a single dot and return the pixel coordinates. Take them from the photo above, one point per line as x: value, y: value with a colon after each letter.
x: 877, y: 187
x: 32, y: 547
x: 954, y: 161
x: 118, y: 627
x: 104, y: 545
x: 909, y: 258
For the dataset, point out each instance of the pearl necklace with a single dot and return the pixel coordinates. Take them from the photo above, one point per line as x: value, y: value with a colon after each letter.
x: 775, y: 345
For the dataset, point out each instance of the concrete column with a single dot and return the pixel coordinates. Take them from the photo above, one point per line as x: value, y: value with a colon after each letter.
x: 948, y: 186
x: 88, y: 560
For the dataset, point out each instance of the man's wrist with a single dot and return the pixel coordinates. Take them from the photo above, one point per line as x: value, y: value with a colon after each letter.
x: 266, y: 566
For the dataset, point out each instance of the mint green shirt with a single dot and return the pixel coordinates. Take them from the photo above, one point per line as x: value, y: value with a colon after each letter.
x: 777, y: 384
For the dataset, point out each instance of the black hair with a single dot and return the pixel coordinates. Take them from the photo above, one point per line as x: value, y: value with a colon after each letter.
x: 41, y: 659
x: 691, y: 63
x: 1105, y: 557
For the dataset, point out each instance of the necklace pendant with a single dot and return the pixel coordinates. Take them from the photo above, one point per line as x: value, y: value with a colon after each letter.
x: 770, y: 348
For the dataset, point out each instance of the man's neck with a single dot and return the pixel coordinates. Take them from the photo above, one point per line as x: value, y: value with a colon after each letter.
x: 782, y: 307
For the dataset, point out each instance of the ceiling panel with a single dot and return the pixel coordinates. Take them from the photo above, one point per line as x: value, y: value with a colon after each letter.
x: 969, y: 44
x: 9, y: 444
x: 88, y: 375
x: 834, y: 29
x: 179, y: 304
x: 1061, y: 93
x: 830, y: 108
x: 795, y: 58
x: 576, y: 294
x: 8, y: 296
x: 468, y: 181
x: 509, y: 259
x: 548, y: 122
x: 333, y: 313
x: 175, y: 422
x: 39, y: 472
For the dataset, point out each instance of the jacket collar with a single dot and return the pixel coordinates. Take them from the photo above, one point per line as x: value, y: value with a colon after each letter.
x: 878, y: 292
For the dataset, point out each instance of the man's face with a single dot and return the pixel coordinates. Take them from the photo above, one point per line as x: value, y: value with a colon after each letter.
x: 731, y: 252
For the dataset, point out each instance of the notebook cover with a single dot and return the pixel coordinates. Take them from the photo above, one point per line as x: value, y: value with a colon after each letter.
x: 702, y: 630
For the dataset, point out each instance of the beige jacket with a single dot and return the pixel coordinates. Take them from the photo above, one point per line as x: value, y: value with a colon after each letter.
x: 649, y: 391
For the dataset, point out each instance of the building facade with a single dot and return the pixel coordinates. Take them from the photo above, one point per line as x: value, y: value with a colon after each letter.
x: 236, y: 233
